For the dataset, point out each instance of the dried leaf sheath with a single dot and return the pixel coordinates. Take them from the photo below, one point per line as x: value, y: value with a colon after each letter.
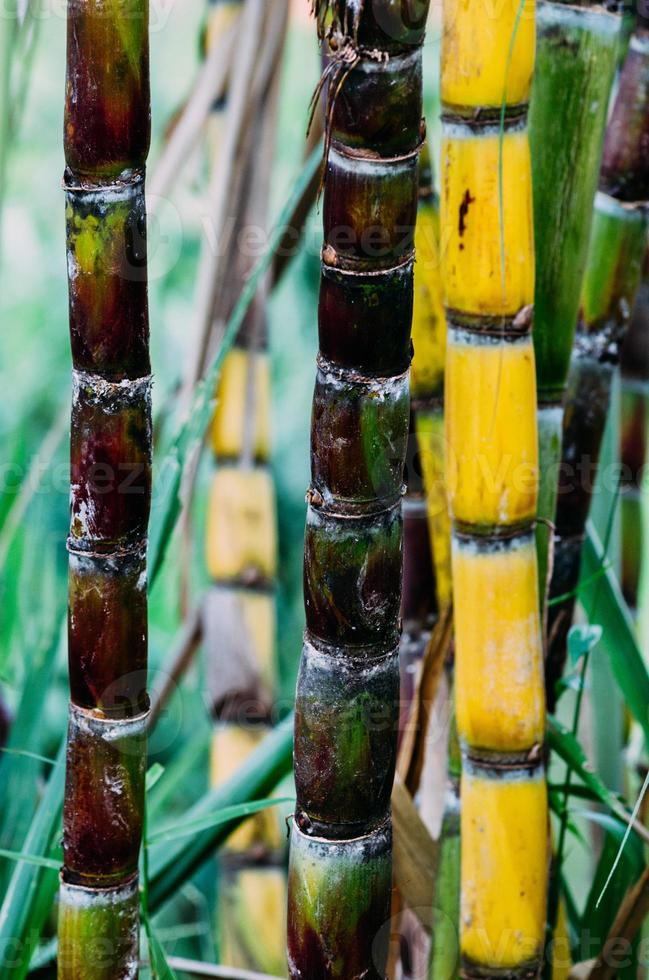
x: 348, y: 686
x: 492, y: 481
x: 107, y: 124
x: 613, y: 274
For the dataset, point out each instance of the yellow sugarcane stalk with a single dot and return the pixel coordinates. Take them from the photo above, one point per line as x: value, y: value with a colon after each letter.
x: 427, y: 375
x: 241, y: 557
x: 492, y: 481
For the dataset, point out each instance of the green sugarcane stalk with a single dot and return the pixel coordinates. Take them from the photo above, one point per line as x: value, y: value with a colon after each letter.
x: 348, y: 686
x: 575, y: 66
x: 613, y: 275
x: 8, y: 36
x: 634, y: 370
x: 107, y: 132
x: 445, y: 951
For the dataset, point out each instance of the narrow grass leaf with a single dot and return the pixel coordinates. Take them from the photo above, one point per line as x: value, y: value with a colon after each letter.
x: 20, y: 764
x: 177, y: 771
x: 36, y: 859
x: 24, y: 754
x: 617, y: 830
x: 597, y: 919
x: 602, y: 598
x: 558, y: 807
x: 225, y: 815
x: 570, y: 751
x: 192, y: 432
x: 618, y: 856
x: 174, y: 863
x: 160, y: 969
x: 153, y: 775
x: 30, y: 894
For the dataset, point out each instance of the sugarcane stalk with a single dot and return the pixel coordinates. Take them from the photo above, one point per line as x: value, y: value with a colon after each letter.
x: 419, y: 613
x: 6, y: 719
x: 427, y: 375
x: 492, y: 480
x: 348, y: 685
x: 419, y: 596
x: 207, y: 91
x: 240, y: 617
x: 427, y: 391
x: 611, y: 282
x: 420, y: 600
x: 576, y: 60
x: 107, y: 130
x: 222, y: 181
x: 8, y: 36
x: 444, y: 953
x: 634, y: 370
x: 222, y: 17
x: 427, y: 542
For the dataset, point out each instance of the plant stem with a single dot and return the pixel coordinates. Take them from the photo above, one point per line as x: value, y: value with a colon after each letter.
x: 209, y: 86
x: 8, y: 36
x: 348, y: 685
x: 613, y: 275
x: 107, y: 131
x: 427, y: 380
x: 634, y: 370
x: 556, y: 877
x: 576, y: 61
x: 241, y: 553
x: 492, y: 481
x: 196, y: 969
x: 183, y: 651
x: 239, y: 94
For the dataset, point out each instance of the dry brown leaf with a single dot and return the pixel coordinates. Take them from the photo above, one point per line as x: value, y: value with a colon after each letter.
x: 233, y: 676
x: 413, y: 745
x: 415, y: 856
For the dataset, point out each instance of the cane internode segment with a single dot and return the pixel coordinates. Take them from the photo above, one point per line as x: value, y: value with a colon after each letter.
x: 612, y: 279
x: 577, y: 55
x: 241, y: 546
x: 348, y: 686
x: 492, y: 482
x: 425, y: 469
x: 107, y: 124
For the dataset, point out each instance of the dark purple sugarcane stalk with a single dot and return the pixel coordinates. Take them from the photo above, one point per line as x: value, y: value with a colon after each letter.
x: 107, y: 130
x: 419, y: 609
x: 348, y: 687
x: 5, y: 721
